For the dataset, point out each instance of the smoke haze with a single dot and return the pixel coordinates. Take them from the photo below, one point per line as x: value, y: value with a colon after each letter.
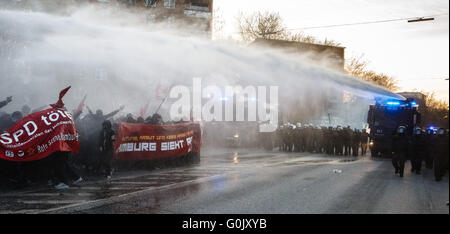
x: 116, y: 60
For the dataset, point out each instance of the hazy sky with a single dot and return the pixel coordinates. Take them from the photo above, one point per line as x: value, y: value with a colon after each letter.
x: 416, y: 54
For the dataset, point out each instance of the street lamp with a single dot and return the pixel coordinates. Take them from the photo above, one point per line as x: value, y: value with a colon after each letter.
x: 420, y: 20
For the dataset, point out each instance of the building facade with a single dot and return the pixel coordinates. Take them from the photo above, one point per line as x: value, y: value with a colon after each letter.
x: 187, y: 16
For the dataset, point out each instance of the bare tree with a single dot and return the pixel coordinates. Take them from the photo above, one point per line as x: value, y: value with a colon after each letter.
x: 437, y: 111
x: 269, y: 25
x: 301, y: 37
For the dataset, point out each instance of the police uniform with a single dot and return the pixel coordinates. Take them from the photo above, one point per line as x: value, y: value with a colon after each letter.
x: 429, y: 141
x: 347, y: 137
x: 440, y: 154
x: 419, y: 150
x: 364, y: 140
x: 400, y: 147
x: 355, y: 142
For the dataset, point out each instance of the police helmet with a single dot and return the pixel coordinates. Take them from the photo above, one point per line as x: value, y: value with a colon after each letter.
x: 441, y: 131
x: 417, y: 131
x: 401, y: 129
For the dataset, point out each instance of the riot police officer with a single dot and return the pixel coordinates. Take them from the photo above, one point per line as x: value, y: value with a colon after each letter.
x: 338, y: 141
x: 364, y: 140
x: 355, y: 141
x: 329, y: 140
x: 279, y: 137
x: 400, y: 147
x: 298, y: 138
x: 440, y: 154
x: 429, y: 139
x: 347, y: 138
x: 419, y: 150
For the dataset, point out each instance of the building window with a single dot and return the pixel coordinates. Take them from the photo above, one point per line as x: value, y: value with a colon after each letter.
x: 151, y: 3
x: 197, y: 5
x: 169, y: 3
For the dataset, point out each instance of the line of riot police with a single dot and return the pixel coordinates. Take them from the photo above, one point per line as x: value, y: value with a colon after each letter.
x: 322, y: 140
x: 427, y: 146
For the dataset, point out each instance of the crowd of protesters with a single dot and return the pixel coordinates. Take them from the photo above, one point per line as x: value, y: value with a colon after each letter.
x: 61, y: 169
x: 55, y: 169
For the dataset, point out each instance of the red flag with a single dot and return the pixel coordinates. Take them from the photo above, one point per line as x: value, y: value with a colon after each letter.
x: 60, y: 103
x: 80, y: 106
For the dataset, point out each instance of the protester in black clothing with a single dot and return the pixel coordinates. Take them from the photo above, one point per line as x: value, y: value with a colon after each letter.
x: 6, y: 122
x: 16, y: 116
x: 130, y: 118
x: 107, y: 137
x: 99, y: 114
x: 93, y: 126
x: 156, y: 119
x: 59, y: 171
x: 26, y: 110
x: 22, y: 175
x: 6, y: 101
x: 140, y: 120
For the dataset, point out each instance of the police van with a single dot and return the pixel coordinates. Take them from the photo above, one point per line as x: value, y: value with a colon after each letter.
x: 385, y: 117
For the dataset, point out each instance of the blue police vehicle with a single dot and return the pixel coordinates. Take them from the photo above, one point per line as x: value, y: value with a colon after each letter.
x: 385, y: 117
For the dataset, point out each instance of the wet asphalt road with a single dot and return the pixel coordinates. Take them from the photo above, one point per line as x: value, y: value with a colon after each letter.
x: 247, y: 182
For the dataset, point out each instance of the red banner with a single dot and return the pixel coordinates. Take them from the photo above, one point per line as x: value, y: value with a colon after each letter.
x: 148, y: 142
x: 38, y: 135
